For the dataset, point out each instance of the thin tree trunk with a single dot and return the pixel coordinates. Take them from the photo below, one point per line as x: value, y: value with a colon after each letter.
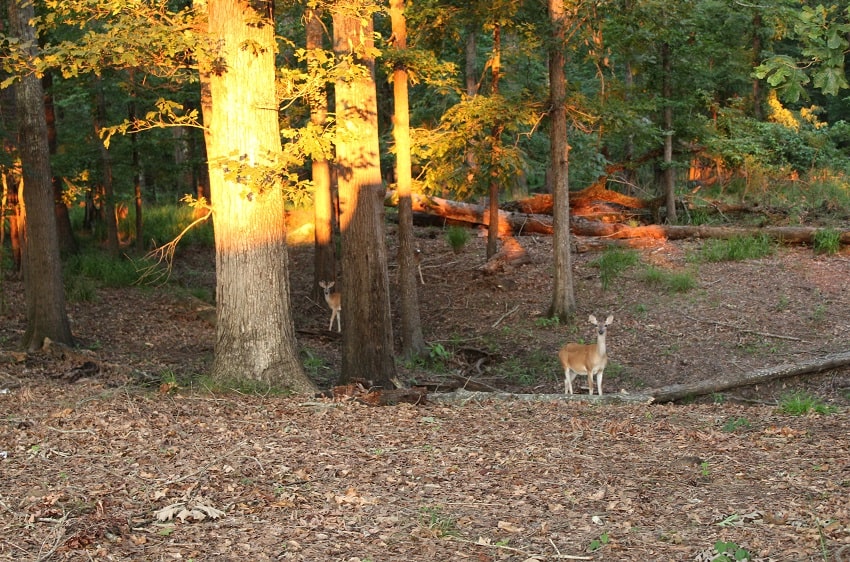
x: 669, y: 172
x: 495, y: 139
x: 757, y: 112
x: 42, y: 267
x: 324, y: 258
x: 106, y: 161
x: 137, y: 181
x: 412, y: 340
x: 367, y: 340
x: 563, y: 297
x: 67, y: 241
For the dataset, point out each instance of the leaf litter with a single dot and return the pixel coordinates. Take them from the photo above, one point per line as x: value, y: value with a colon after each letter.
x: 95, y: 466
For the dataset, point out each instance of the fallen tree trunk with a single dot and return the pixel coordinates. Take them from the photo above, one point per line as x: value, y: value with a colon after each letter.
x: 509, y: 223
x: 541, y: 203
x: 784, y: 234
x: 462, y: 396
x: 518, y: 223
x: 678, y: 391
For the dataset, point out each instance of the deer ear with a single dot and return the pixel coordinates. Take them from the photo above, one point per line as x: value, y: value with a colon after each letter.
x: 592, y: 319
x: 610, y: 319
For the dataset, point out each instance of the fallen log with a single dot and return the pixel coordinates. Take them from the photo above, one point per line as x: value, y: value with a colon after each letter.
x: 509, y: 223
x: 675, y: 392
x: 541, y: 203
x: 462, y: 396
x: 517, y: 223
x: 794, y: 235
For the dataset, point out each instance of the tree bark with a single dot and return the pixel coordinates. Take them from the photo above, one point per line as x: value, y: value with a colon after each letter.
x: 784, y: 234
x: 42, y: 267
x: 367, y: 339
x: 496, y: 143
x: 669, y: 188
x: 563, y: 302
x: 675, y: 392
x: 508, y: 223
x: 412, y: 340
x: 324, y: 256
x: 255, y: 334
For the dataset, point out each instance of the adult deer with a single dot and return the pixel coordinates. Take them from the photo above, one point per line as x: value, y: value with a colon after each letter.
x: 586, y: 359
x: 334, y: 301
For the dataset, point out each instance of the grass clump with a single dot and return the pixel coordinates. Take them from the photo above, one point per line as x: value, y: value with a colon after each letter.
x: 738, y: 248
x: 438, y: 522
x: 613, y: 262
x: 457, y: 237
x: 99, y: 267
x: 827, y: 241
x: 803, y: 403
x: 669, y: 281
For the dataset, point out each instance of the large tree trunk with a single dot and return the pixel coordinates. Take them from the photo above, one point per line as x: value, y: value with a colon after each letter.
x: 255, y: 334
x: 42, y: 267
x: 412, y: 340
x: 324, y: 256
x: 367, y: 340
x: 563, y: 297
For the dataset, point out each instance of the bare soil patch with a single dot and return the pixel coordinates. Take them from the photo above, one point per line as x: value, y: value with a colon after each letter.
x: 89, y: 457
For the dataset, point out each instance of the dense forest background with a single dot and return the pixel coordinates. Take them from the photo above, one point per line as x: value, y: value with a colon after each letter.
x: 755, y: 95
x: 697, y: 109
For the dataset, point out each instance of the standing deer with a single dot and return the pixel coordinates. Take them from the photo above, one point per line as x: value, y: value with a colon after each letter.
x: 334, y: 301
x: 590, y: 360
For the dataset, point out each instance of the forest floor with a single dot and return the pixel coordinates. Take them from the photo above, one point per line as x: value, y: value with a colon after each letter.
x: 95, y: 465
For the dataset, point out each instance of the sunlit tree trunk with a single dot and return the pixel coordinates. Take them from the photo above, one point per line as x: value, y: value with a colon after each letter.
x: 255, y: 334
x: 563, y: 296
x: 324, y: 259
x: 412, y: 341
x: 367, y: 349
x: 42, y: 268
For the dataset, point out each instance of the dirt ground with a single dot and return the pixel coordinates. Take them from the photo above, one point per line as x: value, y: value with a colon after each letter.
x: 95, y: 465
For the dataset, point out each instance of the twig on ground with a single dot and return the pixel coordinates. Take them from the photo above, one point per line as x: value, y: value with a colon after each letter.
x: 206, y: 466
x: 745, y: 330
x: 60, y: 534
x: 505, y: 315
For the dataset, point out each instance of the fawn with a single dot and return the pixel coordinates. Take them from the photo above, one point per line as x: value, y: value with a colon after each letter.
x: 334, y: 301
x: 590, y: 360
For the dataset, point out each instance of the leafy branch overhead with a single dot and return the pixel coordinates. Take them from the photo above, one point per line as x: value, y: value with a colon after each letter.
x: 822, y: 32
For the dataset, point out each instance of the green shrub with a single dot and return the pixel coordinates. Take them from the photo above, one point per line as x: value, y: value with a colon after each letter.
x: 613, y: 262
x: 101, y: 268
x: 163, y: 223
x: 802, y: 403
x: 827, y: 241
x: 457, y: 237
